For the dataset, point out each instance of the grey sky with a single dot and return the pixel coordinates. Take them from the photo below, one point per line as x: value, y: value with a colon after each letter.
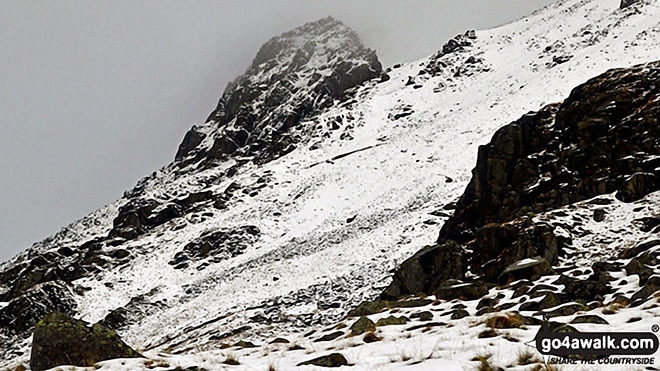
x: 95, y: 95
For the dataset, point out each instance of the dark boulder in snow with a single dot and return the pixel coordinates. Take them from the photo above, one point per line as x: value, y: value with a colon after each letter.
x: 61, y: 340
x: 627, y: 3
x: 331, y: 360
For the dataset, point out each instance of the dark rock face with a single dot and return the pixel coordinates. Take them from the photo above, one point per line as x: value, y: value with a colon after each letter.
x: 627, y: 3
x: 139, y: 215
x: 23, y: 312
x: 136, y: 309
x: 292, y: 76
x: 66, y: 265
x: 220, y: 245
x: 605, y: 137
x: 61, y: 340
x: 495, y: 247
x: 427, y: 268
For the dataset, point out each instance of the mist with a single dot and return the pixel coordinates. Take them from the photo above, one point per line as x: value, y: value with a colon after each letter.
x: 99, y: 94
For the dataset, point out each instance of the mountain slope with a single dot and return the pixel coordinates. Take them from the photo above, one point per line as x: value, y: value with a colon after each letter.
x: 262, y: 242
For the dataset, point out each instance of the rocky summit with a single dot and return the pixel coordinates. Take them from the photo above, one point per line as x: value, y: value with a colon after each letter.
x: 332, y: 212
x: 264, y: 113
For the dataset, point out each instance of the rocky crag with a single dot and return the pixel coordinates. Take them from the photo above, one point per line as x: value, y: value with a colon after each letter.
x: 319, y: 175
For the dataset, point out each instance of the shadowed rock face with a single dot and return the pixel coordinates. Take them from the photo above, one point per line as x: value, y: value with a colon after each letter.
x: 605, y: 137
x: 23, y: 312
x: 61, y: 340
x: 627, y: 3
x: 292, y: 76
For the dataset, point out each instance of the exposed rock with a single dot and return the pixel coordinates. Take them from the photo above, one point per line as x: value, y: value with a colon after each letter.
x: 330, y: 336
x: 362, y: 325
x: 589, y: 289
x: 635, y: 266
x: 424, y: 270
x: 331, y: 360
x: 599, y: 215
x: 423, y: 316
x: 371, y: 338
x: 590, y: 318
x: 60, y: 340
x: 392, y: 320
x: 591, y: 144
x: 459, y: 313
x: 651, y: 286
x: 136, y: 309
x: 221, y: 245
x: 22, y: 313
x: 564, y: 154
x: 133, y: 218
x: 566, y: 310
x: 637, y: 186
x: 292, y: 76
x: 627, y: 3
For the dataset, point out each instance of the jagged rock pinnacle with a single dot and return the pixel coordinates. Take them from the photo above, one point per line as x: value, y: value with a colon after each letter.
x: 292, y: 76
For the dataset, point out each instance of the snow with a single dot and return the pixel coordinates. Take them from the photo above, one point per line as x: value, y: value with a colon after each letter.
x: 391, y: 189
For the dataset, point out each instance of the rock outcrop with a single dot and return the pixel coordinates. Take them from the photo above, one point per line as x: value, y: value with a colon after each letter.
x: 603, y: 138
x: 627, y: 3
x: 61, y: 340
x: 22, y: 313
x: 293, y: 76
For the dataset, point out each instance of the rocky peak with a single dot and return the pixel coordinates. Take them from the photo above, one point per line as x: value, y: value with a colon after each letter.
x: 292, y: 76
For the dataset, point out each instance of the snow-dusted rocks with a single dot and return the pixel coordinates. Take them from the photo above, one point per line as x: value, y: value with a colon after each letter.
x: 601, y: 139
x: 363, y: 190
x: 292, y: 78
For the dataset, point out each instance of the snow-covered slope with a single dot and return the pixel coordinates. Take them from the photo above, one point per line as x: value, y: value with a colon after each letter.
x: 363, y: 190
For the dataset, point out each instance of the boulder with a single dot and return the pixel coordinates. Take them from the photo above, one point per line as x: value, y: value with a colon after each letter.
x: 590, y: 318
x: 331, y: 360
x: 599, y: 215
x: 635, y: 266
x: 330, y: 336
x: 431, y: 265
x: 587, y: 290
x: 362, y: 325
x: 627, y: 3
x: 61, y: 340
x: 392, y: 320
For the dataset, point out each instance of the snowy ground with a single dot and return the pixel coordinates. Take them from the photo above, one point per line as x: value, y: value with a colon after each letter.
x: 439, y: 342
x: 308, y: 248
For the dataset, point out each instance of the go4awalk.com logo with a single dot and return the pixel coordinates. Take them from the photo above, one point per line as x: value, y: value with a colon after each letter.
x: 565, y: 345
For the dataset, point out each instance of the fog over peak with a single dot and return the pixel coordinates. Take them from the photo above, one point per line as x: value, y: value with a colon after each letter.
x: 97, y: 95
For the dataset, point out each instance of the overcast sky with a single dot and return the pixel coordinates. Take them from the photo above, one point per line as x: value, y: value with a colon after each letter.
x: 95, y: 95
